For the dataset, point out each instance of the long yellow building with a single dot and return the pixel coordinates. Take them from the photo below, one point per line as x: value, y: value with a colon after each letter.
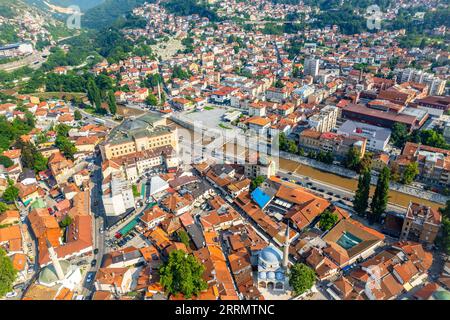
x: 146, y: 132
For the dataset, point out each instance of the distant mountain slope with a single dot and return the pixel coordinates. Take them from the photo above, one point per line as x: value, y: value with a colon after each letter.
x: 22, y: 21
x: 107, y: 12
x: 83, y: 4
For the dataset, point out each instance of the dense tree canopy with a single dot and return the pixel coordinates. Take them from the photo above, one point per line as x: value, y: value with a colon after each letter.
x: 184, y: 237
x: 189, y: 7
x: 410, y: 172
x: 151, y: 100
x: 352, y: 159
x: 66, y: 146
x: 257, y: 182
x: 361, y: 199
x: 11, y: 131
x: 180, y: 73
x: 108, y: 12
x: 399, y: 134
x: 381, y: 196
x: 182, y: 273
x: 77, y: 115
x: 301, y: 278
x: 444, y: 240
x: 5, y: 161
x: 327, y: 220
x: 7, y: 273
x: 11, y: 193
x: 112, y: 105
x: 3, y: 207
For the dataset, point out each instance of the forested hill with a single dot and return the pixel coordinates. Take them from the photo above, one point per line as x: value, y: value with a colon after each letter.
x: 108, y: 11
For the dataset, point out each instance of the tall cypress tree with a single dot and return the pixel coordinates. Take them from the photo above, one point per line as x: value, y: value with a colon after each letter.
x: 361, y: 200
x: 381, y: 196
x: 94, y: 94
x: 112, y: 102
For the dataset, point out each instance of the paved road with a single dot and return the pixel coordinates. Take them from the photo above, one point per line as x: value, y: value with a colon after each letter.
x: 109, y: 123
x: 98, y: 213
x: 34, y: 61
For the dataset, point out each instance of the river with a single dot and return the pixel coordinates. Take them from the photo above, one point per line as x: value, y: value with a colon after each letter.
x: 395, y: 197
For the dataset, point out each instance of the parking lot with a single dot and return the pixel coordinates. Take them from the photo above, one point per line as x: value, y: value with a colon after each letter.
x: 210, y: 118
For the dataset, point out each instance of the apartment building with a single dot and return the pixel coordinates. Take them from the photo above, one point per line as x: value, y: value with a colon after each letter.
x: 337, y: 144
x: 324, y: 121
x: 311, y: 67
x: 421, y: 223
x: 436, y: 85
x: 434, y: 163
x: 265, y: 166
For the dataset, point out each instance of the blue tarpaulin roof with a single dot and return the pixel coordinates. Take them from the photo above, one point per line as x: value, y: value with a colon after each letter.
x: 260, y: 197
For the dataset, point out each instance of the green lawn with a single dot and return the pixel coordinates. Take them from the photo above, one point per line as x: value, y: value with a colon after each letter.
x: 90, y: 110
x: 209, y: 108
x: 58, y: 95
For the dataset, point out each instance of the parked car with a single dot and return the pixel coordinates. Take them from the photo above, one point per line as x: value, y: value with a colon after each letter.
x: 11, y: 294
x: 19, y: 286
x: 95, y: 251
x: 90, y: 277
x: 93, y: 263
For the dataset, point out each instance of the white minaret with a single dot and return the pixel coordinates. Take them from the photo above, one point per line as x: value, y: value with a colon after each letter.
x: 55, y: 261
x: 159, y: 92
x: 286, y: 249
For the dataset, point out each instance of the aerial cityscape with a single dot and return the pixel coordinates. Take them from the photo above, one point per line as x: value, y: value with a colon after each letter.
x: 224, y: 150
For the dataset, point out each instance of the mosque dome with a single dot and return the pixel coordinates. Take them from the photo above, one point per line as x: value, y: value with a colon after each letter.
x: 271, y: 275
x: 441, y: 295
x: 48, y: 275
x: 270, y: 256
x: 279, y: 276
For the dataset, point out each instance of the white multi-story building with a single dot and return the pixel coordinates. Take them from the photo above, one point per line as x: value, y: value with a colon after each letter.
x: 304, y: 92
x: 311, y: 67
x: 117, y: 194
x: 377, y: 137
x: 435, y: 84
x: 324, y: 121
